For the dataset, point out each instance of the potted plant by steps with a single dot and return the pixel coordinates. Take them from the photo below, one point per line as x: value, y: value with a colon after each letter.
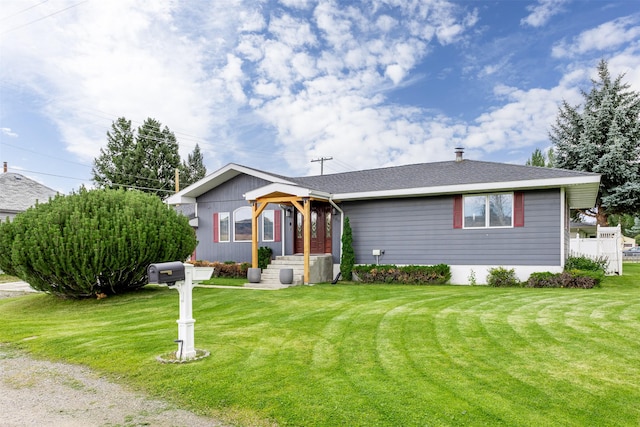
x: 286, y: 276
x: 253, y: 275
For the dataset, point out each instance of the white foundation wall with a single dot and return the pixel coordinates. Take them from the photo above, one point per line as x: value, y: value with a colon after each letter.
x: 462, y: 274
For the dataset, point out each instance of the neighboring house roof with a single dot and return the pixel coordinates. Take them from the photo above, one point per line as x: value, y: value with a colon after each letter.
x: 425, y: 179
x: 18, y: 193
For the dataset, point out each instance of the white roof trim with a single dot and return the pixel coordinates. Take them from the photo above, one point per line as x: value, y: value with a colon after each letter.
x: 589, y: 184
x: 292, y: 189
x: 190, y: 193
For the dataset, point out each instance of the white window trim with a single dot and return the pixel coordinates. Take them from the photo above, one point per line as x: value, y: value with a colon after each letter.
x: 487, y: 217
x: 234, y: 224
x: 273, y: 225
x: 228, y: 227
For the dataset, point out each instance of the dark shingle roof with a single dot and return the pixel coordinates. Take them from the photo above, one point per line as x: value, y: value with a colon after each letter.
x: 430, y: 175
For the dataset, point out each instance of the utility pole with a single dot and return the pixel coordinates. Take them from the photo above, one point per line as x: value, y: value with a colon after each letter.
x: 322, y: 160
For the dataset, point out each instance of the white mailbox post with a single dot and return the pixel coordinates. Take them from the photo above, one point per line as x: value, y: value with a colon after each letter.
x: 179, y: 276
x: 186, y: 347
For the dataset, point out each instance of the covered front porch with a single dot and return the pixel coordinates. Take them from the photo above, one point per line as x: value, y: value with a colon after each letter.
x: 313, y: 218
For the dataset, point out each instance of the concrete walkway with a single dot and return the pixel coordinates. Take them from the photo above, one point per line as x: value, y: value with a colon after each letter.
x: 16, y: 287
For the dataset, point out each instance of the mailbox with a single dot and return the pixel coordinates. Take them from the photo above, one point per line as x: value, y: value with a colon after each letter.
x: 166, y: 272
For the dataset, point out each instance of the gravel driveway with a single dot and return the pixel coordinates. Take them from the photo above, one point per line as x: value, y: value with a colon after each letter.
x: 41, y: 393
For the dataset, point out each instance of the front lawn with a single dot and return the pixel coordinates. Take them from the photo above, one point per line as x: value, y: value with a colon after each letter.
x: 375, y: 355
x: 5, y: 278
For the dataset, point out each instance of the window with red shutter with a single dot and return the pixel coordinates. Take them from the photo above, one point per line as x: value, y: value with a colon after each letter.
x: 457, y: 211
x: 216, y: 231
x: 518, y: 209
x: 277, y: 225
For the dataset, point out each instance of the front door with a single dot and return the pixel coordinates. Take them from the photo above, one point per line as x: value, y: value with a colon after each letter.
x: 321, y: 228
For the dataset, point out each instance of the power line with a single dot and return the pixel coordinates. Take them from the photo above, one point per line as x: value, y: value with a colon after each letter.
x: 44, y: 17
x: 322, y: 160
x: 23, y: 10
x: 137, y: 187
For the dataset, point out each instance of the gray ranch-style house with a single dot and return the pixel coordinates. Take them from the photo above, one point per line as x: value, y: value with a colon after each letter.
x: 471, y: 215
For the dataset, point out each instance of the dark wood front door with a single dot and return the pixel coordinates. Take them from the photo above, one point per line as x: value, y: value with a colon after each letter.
x: 321, y: 229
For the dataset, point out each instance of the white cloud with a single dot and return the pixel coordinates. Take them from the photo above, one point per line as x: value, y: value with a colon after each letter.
x: 542, y: 12
x: 316, y: 77
x: 291, y: 31
x: 127, y: 58
x: 8, y: 132
x: 605, y: 37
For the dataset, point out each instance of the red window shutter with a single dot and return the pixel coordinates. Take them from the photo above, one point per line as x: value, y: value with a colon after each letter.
x: 216, y: 232
x: 277, y: 225
x: 457, y: 211
x: 518, y: 209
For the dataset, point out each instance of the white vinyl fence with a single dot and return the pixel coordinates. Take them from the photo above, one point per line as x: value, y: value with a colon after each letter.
x: 607, y: 244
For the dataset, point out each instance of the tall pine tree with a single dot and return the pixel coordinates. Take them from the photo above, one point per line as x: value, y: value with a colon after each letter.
x: 157, y: 154
x: 146, y: 159
x: 193, y: 168
x: 114, y: 168
x: 603, y: 137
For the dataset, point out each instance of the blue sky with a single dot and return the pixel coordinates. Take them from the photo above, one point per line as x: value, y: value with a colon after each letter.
x: 276, y: 84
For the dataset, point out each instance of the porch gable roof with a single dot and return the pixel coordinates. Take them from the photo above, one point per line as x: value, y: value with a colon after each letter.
x: 213, y: 180
x: 276, y: 190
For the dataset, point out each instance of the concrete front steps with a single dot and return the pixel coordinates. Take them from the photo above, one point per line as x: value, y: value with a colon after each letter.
x: 270, y: 277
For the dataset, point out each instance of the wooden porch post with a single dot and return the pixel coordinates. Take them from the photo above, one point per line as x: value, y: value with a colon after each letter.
x: 256, y: 209
x: 307, y: 238
x: 254, y: 235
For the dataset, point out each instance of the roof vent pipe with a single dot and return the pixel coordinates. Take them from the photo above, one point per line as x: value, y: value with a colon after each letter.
x: 4, y: 167
x: 459, y: 153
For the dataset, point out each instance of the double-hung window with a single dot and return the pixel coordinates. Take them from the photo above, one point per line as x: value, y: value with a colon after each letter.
x: 242, y: 224
x: 268, y: 229
x: 488, y: 210
x: 221, y: 227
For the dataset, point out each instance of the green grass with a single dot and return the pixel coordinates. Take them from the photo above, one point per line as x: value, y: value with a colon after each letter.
x: 354, y: 355
x: 5, y: 278
x: 225, y: 281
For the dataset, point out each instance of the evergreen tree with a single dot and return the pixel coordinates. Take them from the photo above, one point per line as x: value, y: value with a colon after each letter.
x: 537, y: 159
x: 540, y: 159
x: 348, y: 259
x: 634, y: 230
x: 114, y: 167
x: 603, y: 137
x: 551, y: 158
x: 193, y: 168
x: 626, y: 223
x: 146, y: 160
x: 157, y: 155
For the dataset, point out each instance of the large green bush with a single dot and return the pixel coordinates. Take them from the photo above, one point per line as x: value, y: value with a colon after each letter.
x: 94, y: 242
x: 7, y: 235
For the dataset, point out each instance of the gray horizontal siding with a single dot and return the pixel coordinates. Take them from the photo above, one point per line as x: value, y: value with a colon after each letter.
x: 227, y: 197
x: 420, y: 231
